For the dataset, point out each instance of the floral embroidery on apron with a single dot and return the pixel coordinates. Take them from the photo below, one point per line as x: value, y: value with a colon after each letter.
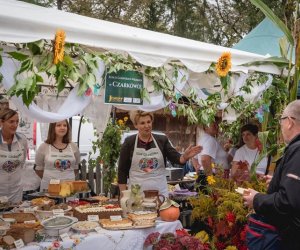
x: 10, y: 166
x: 62, y: 164
x: 148, y: 169
x: 148, y: 164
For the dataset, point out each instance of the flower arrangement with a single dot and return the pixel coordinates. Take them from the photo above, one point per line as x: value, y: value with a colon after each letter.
x: 220, y: 211
x: 180, y: 240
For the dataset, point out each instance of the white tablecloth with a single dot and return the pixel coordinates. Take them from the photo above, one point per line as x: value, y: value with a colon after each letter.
x: 108, y: 239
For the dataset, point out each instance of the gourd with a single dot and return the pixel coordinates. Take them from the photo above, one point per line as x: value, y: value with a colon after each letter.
x: 169, y: 210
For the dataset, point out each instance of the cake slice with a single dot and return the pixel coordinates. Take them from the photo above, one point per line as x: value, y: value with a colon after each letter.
x: 143, y: 218
x: 120, y: 224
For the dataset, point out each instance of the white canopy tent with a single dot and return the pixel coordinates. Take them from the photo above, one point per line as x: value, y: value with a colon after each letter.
x: 22, y: 22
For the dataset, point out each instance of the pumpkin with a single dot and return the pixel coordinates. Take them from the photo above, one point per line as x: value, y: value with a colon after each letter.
x: 170, y: 214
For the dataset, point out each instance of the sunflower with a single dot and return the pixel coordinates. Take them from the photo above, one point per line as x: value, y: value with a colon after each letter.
x: 224, y: 64
x: 59, y: 44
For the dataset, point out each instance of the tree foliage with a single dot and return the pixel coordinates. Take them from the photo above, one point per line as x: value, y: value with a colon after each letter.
x: 220, y: 22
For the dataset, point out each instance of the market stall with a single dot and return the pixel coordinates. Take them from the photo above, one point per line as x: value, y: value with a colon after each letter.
x: 170, y: 67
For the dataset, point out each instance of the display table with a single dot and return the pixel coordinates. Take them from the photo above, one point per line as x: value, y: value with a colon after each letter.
x: 106, y: 239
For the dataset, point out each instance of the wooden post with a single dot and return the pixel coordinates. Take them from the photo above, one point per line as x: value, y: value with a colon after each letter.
x: 98, y: 179
x: 82, y: 174
x: 91, y: 178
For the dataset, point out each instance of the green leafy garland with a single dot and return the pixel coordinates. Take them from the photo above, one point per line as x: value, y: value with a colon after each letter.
x: 80, y: 64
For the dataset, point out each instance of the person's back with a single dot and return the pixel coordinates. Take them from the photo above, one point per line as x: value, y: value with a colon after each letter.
x: 280, y: 206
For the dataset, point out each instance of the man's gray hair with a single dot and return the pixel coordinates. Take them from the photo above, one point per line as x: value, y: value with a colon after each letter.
x: 293, y: 109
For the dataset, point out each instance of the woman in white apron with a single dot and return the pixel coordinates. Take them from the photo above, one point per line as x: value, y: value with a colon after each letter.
x: 58, y: 157
x: 143, y: 156
x: 13, y: 148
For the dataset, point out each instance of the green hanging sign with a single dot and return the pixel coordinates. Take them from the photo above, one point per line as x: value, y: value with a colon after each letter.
x: 124, y: 87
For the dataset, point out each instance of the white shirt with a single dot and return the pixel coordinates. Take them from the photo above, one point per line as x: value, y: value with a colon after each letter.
x: 212, y: 148
x: 246, y: 154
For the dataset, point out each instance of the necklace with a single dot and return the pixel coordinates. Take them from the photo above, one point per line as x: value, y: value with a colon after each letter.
x: 60, y: 149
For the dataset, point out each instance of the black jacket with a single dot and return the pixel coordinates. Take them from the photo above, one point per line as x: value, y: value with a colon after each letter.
x: 281, y: 204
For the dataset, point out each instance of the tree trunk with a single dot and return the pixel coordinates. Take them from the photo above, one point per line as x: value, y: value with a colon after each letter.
x: 59, y: 4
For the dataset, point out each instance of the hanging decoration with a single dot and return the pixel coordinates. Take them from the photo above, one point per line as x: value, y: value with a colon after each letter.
x: 178, y: 96
x: 59, y: 46
x: 172, y: 107
x: 261, y: 111
x: 88, y: 92
x: 97, y: 88
x: 224, y: 64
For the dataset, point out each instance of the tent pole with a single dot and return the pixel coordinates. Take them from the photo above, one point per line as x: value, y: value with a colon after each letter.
x: 79, y: 128
x: 113, y: 110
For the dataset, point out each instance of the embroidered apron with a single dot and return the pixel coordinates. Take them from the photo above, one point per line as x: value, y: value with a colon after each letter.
x: 58, y: 165
x: 148, y: 169
x: 11, y: 163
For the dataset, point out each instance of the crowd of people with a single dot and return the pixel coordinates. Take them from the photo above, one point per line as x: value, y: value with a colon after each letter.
x: 143, y: 159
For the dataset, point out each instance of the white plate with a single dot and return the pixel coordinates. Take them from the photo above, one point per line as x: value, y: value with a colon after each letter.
x: 58, y: 222
x: 85, y: 226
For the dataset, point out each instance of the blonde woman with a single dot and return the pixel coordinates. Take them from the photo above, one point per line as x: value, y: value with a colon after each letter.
x: 143, y: 156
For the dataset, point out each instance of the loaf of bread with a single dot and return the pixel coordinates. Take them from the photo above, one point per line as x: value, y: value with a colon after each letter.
x: 20, y: 217
x: 80, y: 186
x: 54, y: 189
x: 26, y: 234
x: 67, y: 188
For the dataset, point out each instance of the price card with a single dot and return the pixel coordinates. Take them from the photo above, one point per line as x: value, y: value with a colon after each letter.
x: 115, y: 217
x: 54, y: 181
x: 29, y: 221
x: 93, y: 217
x: 19, y: 243
x: 58, y: 212
x: 98, y: 229
x: 28, y: 210
x: 64, y: 237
